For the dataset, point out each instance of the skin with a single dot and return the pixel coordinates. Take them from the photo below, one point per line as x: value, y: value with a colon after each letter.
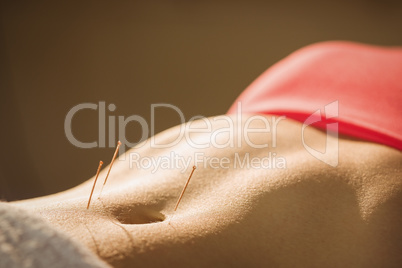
x: 308, y: 214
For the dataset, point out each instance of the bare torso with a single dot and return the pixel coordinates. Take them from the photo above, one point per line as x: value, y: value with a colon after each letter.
x: 303, y: 213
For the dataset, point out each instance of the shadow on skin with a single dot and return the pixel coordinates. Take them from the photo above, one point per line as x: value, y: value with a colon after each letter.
x: 316, y: 221
x: 295, y: 224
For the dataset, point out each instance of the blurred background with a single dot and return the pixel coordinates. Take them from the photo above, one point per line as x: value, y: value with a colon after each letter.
x: 197, y: 55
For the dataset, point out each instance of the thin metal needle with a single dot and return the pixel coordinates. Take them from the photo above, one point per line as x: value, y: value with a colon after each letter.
x: 110, y: 167
x: 182, y: 193
x: 96, y: 178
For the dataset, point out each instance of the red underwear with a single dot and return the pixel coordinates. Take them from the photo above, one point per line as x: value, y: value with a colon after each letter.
x: 365, y: 80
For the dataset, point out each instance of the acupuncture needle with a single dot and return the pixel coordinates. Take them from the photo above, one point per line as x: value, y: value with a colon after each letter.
x: 182, y: 192
x: 96, y: 178
x: 110, y: 167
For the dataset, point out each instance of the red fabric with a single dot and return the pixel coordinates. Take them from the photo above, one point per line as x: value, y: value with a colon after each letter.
x: 365, y: 80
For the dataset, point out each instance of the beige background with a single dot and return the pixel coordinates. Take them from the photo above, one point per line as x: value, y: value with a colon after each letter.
x: 198, y: 55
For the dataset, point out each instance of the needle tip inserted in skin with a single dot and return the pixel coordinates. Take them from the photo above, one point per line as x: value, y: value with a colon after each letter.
x: 96, y: 178
x: 110, y: 167
x: 182, y: 192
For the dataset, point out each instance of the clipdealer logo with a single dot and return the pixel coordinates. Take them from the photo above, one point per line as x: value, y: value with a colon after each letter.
x: 236, y: 133
x: 331, y: 154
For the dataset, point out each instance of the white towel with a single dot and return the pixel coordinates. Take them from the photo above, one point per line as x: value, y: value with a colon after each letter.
x: 27, y: 241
